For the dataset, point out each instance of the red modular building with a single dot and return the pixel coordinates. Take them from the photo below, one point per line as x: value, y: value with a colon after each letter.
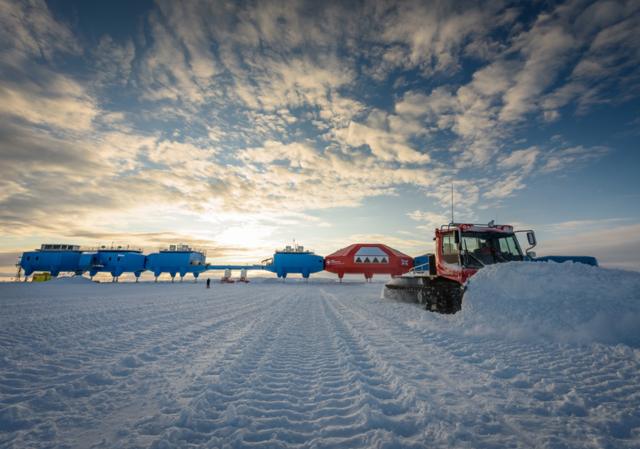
x: 368, y: 259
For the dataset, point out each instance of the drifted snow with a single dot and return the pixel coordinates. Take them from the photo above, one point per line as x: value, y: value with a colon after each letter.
x: 566, y: 302
x: 307, y: 365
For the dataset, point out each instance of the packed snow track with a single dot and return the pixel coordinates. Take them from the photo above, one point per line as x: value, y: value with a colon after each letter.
x: 293, y: 365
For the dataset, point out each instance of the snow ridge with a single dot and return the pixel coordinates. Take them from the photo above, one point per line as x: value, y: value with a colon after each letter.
x: 567, y: 303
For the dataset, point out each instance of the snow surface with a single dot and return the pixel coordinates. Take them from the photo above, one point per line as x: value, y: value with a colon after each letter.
x: 318, y: 365
x: 566, y: 302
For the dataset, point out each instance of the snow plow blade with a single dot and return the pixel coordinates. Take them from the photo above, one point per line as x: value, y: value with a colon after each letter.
x: 435, y: 293
x: 403, y: 289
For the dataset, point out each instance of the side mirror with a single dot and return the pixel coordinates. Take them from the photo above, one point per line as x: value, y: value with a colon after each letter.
x: 456, y: 237
x: 531, y: 254
x: 531, y: 238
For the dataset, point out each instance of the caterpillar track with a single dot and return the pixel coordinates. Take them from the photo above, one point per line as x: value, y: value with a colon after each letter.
x: 437, y: 294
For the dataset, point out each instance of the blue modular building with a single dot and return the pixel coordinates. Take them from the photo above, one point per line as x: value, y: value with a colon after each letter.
x: 52, y: 257
x: 294, y: 260
x: 177, y: 259
x: 88, y: 261
x: 587, y: 260
x: 117, y: 260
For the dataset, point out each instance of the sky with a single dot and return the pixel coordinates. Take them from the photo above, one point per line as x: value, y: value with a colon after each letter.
x: 241, y: 126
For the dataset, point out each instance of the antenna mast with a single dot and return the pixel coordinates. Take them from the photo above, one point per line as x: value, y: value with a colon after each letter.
x: 452, y: 221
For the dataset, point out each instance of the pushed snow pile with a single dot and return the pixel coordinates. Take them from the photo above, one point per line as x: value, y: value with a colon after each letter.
x: 567, y: 303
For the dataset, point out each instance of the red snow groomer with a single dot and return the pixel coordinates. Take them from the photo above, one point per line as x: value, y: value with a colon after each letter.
x: 368, y: 259
x: 461, y: 249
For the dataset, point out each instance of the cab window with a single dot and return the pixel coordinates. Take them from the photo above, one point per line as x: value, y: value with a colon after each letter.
x: 449, y: 248
x: 509, y: 248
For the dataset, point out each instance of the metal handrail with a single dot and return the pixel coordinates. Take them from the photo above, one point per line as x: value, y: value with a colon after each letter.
x: 484, y: 225
x: 190, y: 249
x: 110, y: 248
x: 293, y: 251
x: 415, y: 268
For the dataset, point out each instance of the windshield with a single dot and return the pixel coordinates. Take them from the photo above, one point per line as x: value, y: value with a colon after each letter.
x: 485, y: 248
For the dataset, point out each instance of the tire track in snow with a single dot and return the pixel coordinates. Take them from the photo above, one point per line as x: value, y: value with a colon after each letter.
x: 449, y: 398
x: 182, y: 366
x: 303, y: 381
x: 501, y: 375
x: 224, y: 384
x: 387, y: 413
x: 102, y: 392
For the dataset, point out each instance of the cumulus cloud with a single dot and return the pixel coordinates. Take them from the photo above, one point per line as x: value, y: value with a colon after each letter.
x: 612, y: 32
x: 298, y: 176
x: 384, y: 145
x: 429, y: 220
x: 521, y: 159
x: 560, y: 158
x: 29, y: 30
x: 545, y: 49
x: 59, y: 102
x: 433, y: 34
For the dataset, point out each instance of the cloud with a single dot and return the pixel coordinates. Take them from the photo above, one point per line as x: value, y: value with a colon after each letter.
x: 505, y: 187
x: 28, y: 30
x: 58, y: 102
x: 526, y: 77
x: 295, y: 82
x: 30, y: 89
x: 561, y: 158
x: 165, y: 73
x: 283, y: 174
x: 384, y: 145
x: 434, y: 34
x: 192, y: 32
x: 429, y: 220
x: 546, y: 48
x: 609, y: 31
x: 521, y: 159
x: 113, y: 61
x: 577, y: 225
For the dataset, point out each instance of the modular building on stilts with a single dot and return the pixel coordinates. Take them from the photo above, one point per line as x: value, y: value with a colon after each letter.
x: 117, y: 260
x: 53, y: 258
x: 368, y: 259
x: 177, y: 259
x: 294, y: 260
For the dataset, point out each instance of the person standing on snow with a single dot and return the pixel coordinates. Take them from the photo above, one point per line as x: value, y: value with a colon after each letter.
x: 208, y: 282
